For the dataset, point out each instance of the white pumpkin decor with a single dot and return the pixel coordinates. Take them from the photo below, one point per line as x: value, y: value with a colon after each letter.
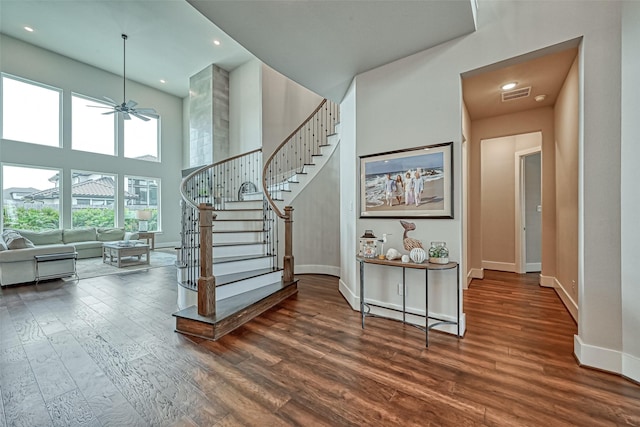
x: 405, y: 258
x: 418, y: 255
x: 393, y: 254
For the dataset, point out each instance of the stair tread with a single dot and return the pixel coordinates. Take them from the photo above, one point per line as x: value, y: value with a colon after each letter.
x: 229, y: 306
x: 226, y: 279
x: 231, y: 244
x: 241, y: 210
x: 236, y: 231
x: 237, y: 219
x: 221, y: 260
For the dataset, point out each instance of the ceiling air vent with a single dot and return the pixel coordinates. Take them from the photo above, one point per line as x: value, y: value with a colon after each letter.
x: 516, y: 94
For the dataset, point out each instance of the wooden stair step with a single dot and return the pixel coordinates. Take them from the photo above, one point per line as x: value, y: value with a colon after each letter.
x: 233, y: 312
x: 236, y: 277
x: 237, y: 231
x: 221, y: 260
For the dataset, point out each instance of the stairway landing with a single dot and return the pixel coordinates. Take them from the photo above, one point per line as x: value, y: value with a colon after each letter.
x: 233, y: 312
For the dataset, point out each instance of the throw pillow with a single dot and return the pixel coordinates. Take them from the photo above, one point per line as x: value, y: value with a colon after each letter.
x: 14, y: 240
x: 3, y: 245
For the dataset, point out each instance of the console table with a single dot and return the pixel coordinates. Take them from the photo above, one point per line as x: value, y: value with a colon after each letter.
x: 426, y: 266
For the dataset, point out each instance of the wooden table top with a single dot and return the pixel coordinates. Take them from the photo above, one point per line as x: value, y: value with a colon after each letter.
x: 410, y: 264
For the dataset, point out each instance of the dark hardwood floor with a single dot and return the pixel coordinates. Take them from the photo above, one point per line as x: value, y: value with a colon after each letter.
x: 103, y: 352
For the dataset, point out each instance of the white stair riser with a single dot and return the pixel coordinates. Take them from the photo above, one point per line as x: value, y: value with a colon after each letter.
x: 239, y: 250
x: 240, y: 266
x: 237, y: 214
x: 249, y: 204
x: 186, y: 297
x: 238, y: 237
x: 252, y: 196
x: 237, y: 225
x: 247, y: 285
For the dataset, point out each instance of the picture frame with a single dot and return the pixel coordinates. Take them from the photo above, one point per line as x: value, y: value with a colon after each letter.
x: 434, y: 167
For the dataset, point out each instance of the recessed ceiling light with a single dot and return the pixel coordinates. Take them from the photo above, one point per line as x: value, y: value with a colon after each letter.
x: 29, y: 29
x: 509, y: 86
x: 163, y: 81
x: 540, y: 98
x: 216, y: 42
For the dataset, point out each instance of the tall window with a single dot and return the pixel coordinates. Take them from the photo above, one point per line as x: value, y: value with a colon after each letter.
x: 31, y: 198
x: 93, y: 196
x: 30, y: 111
x: 141, y: 139
x: 91, y: 129
x: 142, y: 205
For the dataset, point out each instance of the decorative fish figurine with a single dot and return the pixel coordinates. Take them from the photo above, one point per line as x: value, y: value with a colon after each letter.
x: 409, y: 242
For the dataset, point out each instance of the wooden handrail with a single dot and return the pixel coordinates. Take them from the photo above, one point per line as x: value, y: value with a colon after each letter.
x: 267, y: 163
x: 185, y: 180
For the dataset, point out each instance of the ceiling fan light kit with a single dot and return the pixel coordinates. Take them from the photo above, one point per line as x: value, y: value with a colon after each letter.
x: 127, y: 109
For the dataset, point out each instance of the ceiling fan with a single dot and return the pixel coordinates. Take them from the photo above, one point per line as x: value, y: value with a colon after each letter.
x: 127, y: 109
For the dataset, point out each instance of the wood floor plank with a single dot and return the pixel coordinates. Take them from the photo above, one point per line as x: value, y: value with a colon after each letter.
x: 305, y: 362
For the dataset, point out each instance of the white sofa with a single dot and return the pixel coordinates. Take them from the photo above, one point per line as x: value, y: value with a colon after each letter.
x: 19, y: 266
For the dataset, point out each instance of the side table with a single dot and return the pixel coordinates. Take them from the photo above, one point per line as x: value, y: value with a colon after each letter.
x: 149, y: 236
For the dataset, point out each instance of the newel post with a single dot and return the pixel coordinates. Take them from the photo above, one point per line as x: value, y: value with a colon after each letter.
x: 206, y: 281
x: 288, y: 245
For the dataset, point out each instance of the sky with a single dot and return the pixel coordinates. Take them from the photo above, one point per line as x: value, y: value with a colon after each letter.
x: 424, y: 161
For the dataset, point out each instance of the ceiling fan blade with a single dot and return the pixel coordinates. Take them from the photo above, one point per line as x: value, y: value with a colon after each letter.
x: 149, y: 112
x: 99, y: 106
x: 109, y: 112
x: 141, y: 117
x: 131, y: 103
x: 110, y: 100
x: 126, y: 115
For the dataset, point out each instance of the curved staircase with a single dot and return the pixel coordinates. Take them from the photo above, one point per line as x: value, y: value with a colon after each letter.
x: 232, y: 226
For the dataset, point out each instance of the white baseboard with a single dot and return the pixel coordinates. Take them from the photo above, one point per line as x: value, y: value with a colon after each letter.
x: 533, y: 267
x: 547, y: 281
x: 351, y: 298
x: 317, y: 269
x: 606, y: 359
x: 566, y: 299
x: 499, y: 266
x: 631, y: 367
x: 171, y: 245
x: 597, y: 357
x: 474, y: 273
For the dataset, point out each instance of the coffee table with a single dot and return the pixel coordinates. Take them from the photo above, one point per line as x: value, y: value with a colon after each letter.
x: 123, y: 254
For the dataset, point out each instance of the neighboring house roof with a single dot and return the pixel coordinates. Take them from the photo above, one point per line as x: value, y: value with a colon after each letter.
x: 95, y: 188
x: 8, y: 193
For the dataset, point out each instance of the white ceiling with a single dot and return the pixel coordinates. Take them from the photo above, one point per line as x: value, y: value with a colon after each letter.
x: 168, y: 39
x: 320, y: 44
x: 323, y: 44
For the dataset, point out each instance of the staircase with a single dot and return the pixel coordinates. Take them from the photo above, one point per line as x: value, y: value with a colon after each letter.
x: 230, y: 224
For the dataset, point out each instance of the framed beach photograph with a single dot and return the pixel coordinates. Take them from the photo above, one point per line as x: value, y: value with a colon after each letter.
x: 412, y: 183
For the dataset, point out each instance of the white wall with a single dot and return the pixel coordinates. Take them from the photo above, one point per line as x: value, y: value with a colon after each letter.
x: 30, y: 62
x: 316, y: 222
x: 245, y: 108
x: 285, y: 105
x: 348, y: 197
x: 417, y: 101
x: 630, y: 195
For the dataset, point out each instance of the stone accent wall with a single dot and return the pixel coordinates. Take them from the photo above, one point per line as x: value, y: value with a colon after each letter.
x: 208, y: 116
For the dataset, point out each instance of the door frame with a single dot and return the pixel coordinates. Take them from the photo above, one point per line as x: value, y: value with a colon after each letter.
x: 520, y: 233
